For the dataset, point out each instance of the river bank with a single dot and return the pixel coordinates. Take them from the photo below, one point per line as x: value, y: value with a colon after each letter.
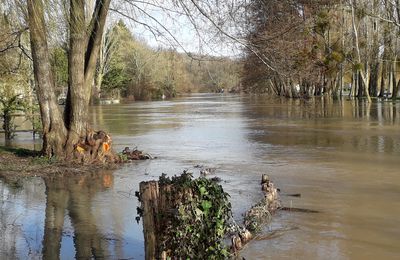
x: 19, y: 163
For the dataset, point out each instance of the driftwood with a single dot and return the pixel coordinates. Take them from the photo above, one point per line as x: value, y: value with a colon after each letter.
x: 299, y: 210
x: 291, y: 194
x: 134, y: 154
x: 257, y: 215
x: 96, y: 146
x: 261, y: 213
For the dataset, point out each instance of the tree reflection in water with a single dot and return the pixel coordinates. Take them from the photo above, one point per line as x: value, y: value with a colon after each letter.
x: 73, y: 195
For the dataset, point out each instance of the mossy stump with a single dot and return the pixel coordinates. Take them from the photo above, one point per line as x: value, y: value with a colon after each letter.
x: 184, y: 218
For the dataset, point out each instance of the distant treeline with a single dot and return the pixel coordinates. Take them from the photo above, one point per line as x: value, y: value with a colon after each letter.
x: 129, y: 68
x: 307, y: 48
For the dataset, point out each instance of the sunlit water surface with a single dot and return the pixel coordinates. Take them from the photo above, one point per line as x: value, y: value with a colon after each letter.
x: 343, y: 157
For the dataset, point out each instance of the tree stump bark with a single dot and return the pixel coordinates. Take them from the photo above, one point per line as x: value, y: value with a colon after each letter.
x: 149, y: 196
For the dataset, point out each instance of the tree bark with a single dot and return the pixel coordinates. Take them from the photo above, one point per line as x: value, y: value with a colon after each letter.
x: 62, y: 134
x: 77, y: 118
x: 150, y: 199
x: 54, y: 131
x: 363, y: 73
x: 396, y: 84
x: 82, y: 64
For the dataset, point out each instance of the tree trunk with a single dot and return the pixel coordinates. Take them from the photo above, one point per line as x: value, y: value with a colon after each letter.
x: 383, y: 78
x: 77, y: 117
x: 61, y: 135
x: 396, y: 84
x: 363, y: 73
x: 150, y: 204
x: 395, y: 94
x: 54, y: 131
x: 83, y: 57
x: 360, y: 85
x: 373, y: 80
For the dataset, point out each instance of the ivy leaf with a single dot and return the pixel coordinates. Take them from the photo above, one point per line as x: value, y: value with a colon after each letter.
x: 203, y: 191
x: 206, y: 205
x: 198, y: 212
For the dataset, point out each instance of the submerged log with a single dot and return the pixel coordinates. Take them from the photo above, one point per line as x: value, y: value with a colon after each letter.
x: 299, y: 210
x: 257, y: 215
x: 261, y: 213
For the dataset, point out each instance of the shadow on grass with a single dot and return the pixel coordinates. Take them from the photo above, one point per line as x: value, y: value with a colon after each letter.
x: 20, y: 152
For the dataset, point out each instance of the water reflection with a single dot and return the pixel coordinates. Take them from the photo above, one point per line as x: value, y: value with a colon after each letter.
x: 346, y: 125
x: 74, y: 195
x: 67, y: 217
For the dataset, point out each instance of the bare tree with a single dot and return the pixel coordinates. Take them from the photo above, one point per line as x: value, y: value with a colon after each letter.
x: 60, y: 134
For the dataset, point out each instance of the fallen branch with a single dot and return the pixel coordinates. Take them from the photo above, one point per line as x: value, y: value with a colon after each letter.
x: 257, y: 215
x: 299, y: 210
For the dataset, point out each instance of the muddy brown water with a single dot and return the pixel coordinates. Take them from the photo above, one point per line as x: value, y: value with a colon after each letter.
x: 342, y: 156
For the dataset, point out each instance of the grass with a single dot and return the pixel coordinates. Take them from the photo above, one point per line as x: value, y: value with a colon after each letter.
x: 20, y: 152
x: 19, y: 163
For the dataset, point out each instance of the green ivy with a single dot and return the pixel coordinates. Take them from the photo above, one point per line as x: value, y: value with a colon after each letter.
x: 197, y: 229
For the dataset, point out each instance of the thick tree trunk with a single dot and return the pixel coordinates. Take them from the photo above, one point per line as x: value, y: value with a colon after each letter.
x: 54, y: 132
x: 78, y: 103
x: 82, y: 64
x: 373, y: 79
x: 396, y: 84
x: 94, y: 44
x: 62, y: 135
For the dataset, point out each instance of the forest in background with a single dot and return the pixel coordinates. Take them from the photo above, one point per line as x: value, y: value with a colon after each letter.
x: 298, y: 48
x: 309, y: 48
x: 127, y: 67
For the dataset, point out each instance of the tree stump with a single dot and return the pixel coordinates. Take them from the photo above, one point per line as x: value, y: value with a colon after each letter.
x: 184, y: 218
x: 149, y: 196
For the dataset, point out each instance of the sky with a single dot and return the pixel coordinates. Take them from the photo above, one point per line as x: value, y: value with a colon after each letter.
x: 165, y: 25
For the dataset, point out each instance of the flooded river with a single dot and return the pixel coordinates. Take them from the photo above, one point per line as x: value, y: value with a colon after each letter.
x: 343, y: 157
